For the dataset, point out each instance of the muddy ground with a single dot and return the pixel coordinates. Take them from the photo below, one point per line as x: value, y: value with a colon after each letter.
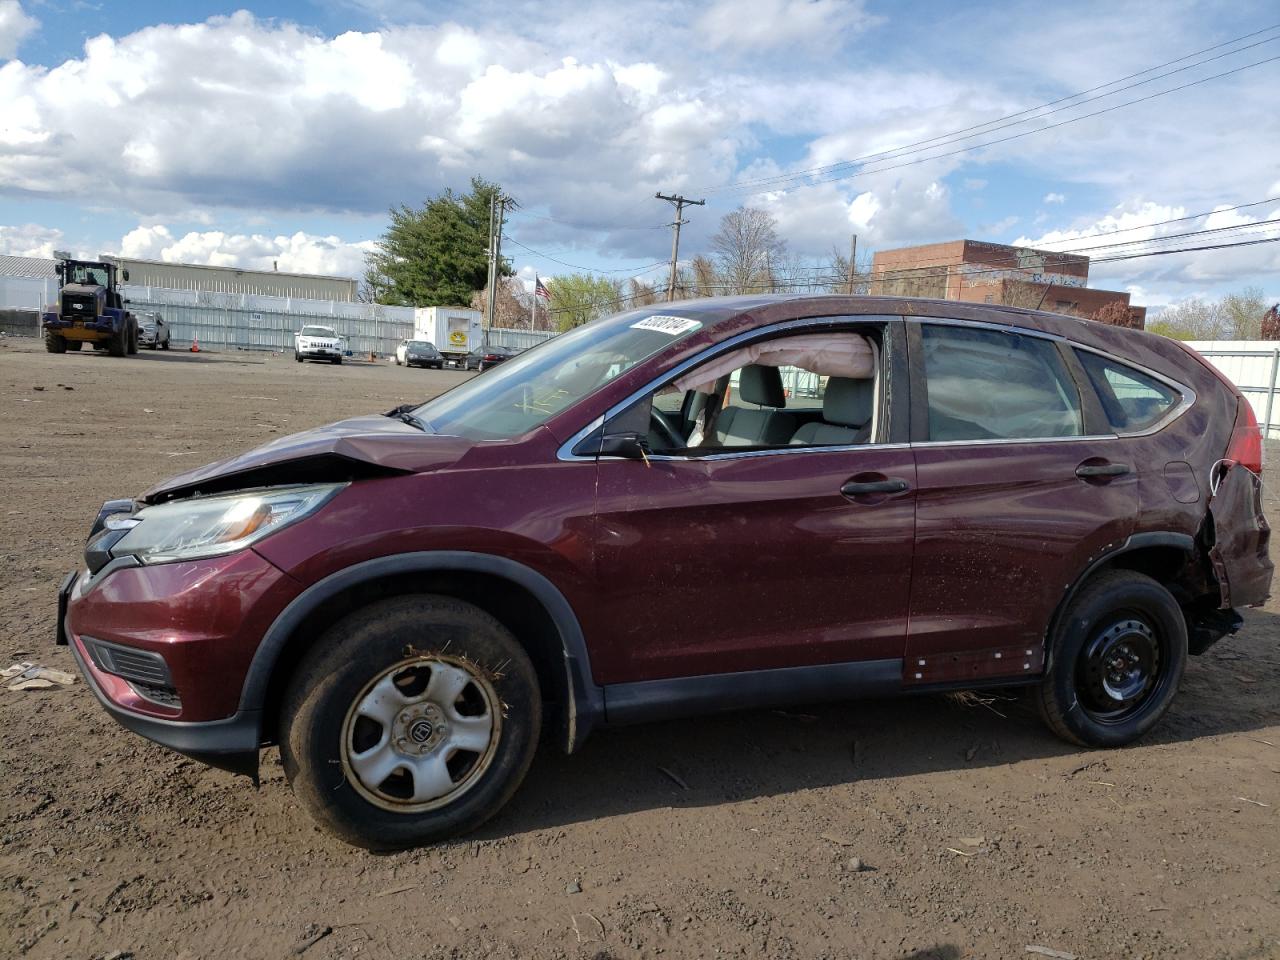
x: 978, y: 832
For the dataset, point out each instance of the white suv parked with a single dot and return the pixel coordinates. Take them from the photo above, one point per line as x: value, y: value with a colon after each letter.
x: 317, y: 343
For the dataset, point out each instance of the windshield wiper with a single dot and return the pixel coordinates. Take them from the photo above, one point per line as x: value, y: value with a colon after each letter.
x: 402, y: 413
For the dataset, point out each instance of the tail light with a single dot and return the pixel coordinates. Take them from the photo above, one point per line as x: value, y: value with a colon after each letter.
x: 1245, y: 447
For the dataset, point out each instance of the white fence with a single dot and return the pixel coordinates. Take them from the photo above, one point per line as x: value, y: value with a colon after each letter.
x: 1252, y: 365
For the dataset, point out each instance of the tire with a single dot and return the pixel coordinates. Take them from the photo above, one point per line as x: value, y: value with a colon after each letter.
x: 1116, y: 660
x: 397, y: 361
x: 337, y: 361
x: 165, y: 345
x: 132, y: 341
x: 118, y: 345
x: 408, y: 638
x: 55, y: 343
x: 297, y: 356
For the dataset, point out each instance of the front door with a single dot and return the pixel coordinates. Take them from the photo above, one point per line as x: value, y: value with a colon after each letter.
x: 724, y: 560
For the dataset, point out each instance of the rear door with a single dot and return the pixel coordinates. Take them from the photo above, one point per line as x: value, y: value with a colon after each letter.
x: 1019, y: 486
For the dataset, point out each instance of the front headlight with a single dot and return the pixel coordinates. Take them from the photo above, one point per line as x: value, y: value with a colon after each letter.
x: 212, y: 526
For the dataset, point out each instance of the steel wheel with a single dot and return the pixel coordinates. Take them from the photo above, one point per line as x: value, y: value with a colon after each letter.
x: 1119, y: 669
x: 421, y: 734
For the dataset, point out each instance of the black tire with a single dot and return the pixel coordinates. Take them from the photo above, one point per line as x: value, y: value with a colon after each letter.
x: 337, y: 360
x: 118, y: 345
x: 54, y: 342
x: 132, y: 341
x: 297, y: 356
x: 74, y: 345
x: 339, y: 671
x: 1116, y: 660
x: 165, y: 345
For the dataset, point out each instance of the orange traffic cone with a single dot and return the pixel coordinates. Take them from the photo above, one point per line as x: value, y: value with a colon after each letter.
x: 195, y: 344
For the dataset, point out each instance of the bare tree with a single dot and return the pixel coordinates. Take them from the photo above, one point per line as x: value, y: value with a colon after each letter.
x: 642, y: 293
x: 747, y: 247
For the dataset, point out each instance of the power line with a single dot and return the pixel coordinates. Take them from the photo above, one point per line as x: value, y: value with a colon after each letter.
x: 574, y: 266
x: 1027, y: 133
x: 1003, y: 122
x: 589, y: 226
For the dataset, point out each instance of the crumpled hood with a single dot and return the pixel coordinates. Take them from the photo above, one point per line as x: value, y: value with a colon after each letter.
x: 361, y: 446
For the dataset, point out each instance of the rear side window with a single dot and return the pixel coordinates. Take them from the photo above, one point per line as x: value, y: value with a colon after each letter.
x: 989, y: 385
x: 1131, y: 399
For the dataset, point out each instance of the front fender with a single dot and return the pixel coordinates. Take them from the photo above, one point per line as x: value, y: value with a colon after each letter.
x: 585, y: 698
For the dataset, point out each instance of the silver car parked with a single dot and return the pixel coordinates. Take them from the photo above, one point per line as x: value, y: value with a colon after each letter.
x: 153, y: 332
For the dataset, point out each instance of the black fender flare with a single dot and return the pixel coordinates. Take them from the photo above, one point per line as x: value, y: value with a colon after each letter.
x: 1137, y: 541
x: 585, y: 705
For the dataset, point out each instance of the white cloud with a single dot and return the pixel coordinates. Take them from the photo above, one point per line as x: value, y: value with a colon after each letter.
x: 1055, y: 198
x: 15, y: 26
x: 750, y: 25
x: 1119, y: 232
x: 30, y: 240
x: 299, y: 253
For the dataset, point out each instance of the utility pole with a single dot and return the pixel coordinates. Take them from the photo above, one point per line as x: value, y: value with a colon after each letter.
x: 680, y: 203
x: 497, y: 216
x: 853, y: 260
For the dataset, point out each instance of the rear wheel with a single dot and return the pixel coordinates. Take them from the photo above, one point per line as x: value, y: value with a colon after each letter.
x: 1115, y: 662
x: 132, y: 339
x: 55, y: 343
x: 411, y: 720
x: 118, y: 345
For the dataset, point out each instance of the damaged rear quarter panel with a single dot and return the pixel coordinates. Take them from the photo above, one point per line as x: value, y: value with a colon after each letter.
x: 1241, y: 537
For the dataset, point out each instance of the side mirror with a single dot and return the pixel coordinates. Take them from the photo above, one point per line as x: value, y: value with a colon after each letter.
x: 125, y: 274
x: 632, y: 446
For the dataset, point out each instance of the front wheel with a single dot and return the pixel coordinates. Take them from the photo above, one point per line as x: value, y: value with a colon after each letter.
x: 411, y: 720
x: 1116, y: 660
x: 55, y: 343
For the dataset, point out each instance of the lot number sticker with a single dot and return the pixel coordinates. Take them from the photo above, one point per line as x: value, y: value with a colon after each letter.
x: 671, y: 326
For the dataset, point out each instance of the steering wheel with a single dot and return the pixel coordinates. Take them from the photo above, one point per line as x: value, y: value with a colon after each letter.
x: 660, y: 424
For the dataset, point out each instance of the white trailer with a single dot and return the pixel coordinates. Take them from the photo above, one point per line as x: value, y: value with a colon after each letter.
x: 455, y: 331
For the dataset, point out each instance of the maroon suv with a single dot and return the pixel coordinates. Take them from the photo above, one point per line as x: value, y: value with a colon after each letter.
x: 719, y: 503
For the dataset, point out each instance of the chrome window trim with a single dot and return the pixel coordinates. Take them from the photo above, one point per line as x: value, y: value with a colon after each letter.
x: 1188, y: 395
x: 565, y: 451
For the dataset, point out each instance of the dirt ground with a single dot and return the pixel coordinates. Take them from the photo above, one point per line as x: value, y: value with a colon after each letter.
x: 979, y: 834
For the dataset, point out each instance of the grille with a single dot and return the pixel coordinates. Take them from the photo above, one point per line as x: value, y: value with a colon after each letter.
x: 140, y: 666
x: 79, y: 307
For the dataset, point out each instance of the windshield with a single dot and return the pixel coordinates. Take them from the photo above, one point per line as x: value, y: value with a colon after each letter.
x: 529, y: 389
x: 317, y: 332
x: 84, y: 273
x: 421, y: 345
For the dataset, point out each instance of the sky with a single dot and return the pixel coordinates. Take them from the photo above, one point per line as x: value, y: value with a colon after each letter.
x: 283, y: 132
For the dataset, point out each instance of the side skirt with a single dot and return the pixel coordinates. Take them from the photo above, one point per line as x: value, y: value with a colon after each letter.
x: 722, y: 692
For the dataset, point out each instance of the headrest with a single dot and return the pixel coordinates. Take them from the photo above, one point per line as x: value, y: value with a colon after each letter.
x: 762, y: 385
x: 848, y: 402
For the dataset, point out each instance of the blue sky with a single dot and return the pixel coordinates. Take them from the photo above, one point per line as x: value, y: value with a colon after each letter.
x: 246, y: 134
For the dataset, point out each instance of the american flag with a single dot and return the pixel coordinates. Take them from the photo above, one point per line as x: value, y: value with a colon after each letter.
x: 539, y: 289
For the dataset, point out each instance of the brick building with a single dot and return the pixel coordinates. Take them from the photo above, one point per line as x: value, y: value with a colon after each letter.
x: 994, y: 273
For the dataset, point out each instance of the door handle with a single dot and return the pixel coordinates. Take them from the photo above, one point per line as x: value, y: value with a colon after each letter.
x: 1088, y: 470
x: 891, y: 485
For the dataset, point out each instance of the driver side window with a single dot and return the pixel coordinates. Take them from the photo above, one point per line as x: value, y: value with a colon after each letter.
x: 804, y: 390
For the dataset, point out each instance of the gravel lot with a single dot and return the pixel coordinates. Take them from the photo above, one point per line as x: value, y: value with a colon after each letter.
x: 978, y: 832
